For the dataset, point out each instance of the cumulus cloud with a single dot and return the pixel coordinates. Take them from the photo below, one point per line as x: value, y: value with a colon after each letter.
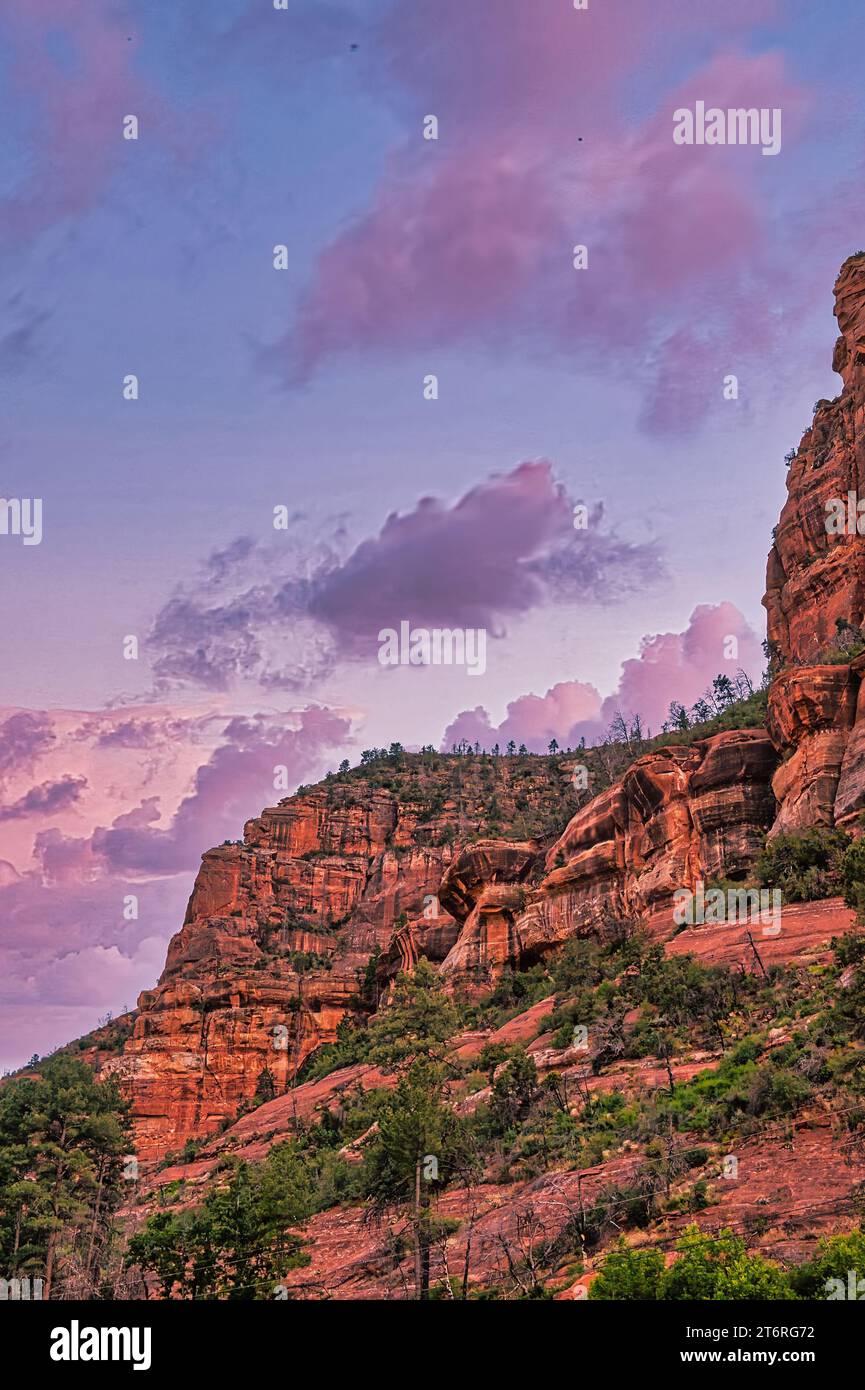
x: 670, y: 666
x: 506, y: 547
x: 532, y: 720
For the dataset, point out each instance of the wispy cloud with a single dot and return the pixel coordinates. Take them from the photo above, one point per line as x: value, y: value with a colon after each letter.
x: 468, y: 239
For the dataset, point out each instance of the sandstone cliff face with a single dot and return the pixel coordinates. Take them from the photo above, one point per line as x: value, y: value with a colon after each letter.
x: 679, y: 814
x: 281, y: 929
x: 815, y: 597
x: 810, y: 716
x: 484, y: 892
x: 278, y: 933
x: 813, y: 577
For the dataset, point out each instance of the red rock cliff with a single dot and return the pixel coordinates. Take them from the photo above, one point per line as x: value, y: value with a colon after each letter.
x: 815, y: 597
x: 485, y: 863
x: 679, y: 814
x: 281, y: 927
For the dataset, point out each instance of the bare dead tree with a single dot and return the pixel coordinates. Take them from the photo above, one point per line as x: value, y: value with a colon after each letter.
x: 756, y: 955
x: 526, y: 1254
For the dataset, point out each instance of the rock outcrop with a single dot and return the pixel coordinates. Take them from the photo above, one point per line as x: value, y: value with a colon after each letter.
x: 680, y: 814
x: 331, y: 892
x: 278, y: 934
x: 484, y: 890
x: 815, y: 577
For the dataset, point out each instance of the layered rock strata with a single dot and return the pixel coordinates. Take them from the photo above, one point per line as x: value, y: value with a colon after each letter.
x: 815, y: 595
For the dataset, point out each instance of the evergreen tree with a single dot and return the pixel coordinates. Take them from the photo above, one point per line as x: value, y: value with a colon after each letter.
x: 63, y: 1135
x: 417, y: 1133
x: 239, y: 1243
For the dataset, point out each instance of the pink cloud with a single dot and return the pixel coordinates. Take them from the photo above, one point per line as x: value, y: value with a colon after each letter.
x: 671, y: 666
x: 67, y: 950
x: 229, y: 788
x: 471, y: 240
x: 506, y: 546
x: 24, y: 737
x: 72, y: 107
x: 679, y: 665
x: 431, y: 259
x: 531, y: 66
x: 45, y: 799
x: 532, y: 719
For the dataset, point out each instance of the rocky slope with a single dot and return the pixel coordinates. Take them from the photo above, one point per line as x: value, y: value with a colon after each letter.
x: 281, y: 928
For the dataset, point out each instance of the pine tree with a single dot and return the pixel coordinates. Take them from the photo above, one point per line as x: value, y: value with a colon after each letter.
x: 63, y: 1135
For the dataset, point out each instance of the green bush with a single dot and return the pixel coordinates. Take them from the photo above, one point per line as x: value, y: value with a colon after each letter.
x: 836, y: 1256
x: 853, y: 877
x: 708, y: 1269
x: 695, y: 1158
x: 632, y: 1275
x: 805, y: 866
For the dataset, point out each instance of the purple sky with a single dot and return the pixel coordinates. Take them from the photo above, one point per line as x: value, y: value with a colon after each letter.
x: 303, y: 388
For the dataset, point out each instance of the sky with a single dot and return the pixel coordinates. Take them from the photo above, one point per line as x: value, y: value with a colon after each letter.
x: 284, y: 263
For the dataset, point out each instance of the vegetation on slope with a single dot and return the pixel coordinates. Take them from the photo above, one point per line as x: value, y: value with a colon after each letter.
x: 636, y: 1004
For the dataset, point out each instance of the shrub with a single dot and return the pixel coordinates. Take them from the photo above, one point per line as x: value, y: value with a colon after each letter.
x: 835, y: 1257
x: 695, y: 1158
x: 806, y: 865
x: 718, y: 1268
x: 626, y: 1274
x: 708, y: 1269
x: 853, y: 877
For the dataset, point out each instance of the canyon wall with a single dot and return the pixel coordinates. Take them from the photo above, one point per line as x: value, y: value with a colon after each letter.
x: 332, y: 892
x: 815, y: 598
x: 278, y: 934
